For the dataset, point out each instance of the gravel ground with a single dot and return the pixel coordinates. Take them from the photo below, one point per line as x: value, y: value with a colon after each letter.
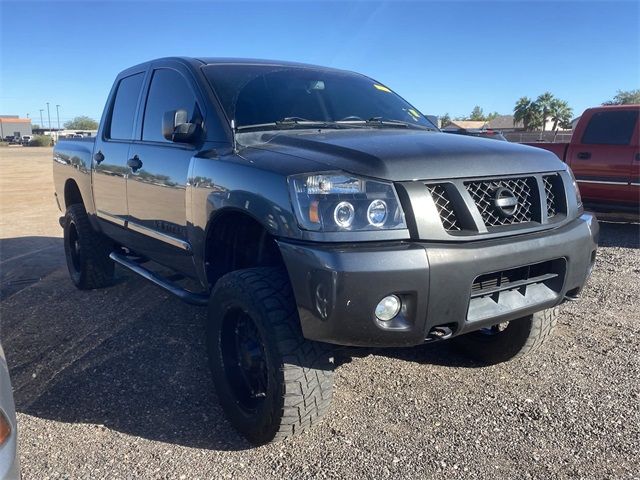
x: 114, y: 383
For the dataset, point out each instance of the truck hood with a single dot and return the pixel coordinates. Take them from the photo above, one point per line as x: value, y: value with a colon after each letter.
x: 400, y: 155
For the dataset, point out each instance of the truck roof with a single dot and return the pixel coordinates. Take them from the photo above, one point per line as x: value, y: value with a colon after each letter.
x: 627, y: 106
x: 197, y: 62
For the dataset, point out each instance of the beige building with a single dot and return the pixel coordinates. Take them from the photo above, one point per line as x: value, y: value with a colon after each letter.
x: 14, y: 126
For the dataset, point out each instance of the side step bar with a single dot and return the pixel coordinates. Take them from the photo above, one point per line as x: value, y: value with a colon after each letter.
x: 184, y: 295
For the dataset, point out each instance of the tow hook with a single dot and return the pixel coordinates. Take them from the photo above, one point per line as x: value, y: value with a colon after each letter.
x: 441, y: 332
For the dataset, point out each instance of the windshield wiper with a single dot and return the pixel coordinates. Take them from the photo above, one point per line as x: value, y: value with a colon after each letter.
x: 295, y: 120
x: 383, y: 122
x: 291, y: 122
x: 299, y: 122
x: 394, y: 123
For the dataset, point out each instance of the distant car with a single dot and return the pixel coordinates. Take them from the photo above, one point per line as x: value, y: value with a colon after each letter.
x: 480, y: 133
x: 9, y: 467
x: 26, y: 139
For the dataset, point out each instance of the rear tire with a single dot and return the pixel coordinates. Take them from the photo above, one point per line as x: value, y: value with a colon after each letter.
x: 519, y: 338
x: 272, y: 383
x: 87, y: 251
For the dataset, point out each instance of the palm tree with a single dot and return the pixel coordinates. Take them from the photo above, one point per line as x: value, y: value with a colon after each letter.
x: 560, y: 113
x: 526, y: 112
x: 544, y: 102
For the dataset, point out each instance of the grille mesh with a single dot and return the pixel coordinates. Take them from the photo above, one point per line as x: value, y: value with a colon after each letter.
x: 445, y: 208
x: 483, y: 193
x: 552, y: 208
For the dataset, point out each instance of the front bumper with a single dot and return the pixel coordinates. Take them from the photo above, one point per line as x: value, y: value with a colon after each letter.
x: 337, y: 287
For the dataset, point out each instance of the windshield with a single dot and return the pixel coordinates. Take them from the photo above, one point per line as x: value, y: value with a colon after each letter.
x: 267, y: 94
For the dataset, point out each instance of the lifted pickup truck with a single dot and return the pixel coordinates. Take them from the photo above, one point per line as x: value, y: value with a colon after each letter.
x: 604, y: 154
x: 315, y: 207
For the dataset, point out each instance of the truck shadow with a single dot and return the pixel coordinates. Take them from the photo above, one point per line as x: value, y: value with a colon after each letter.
x: 617, y: 234
x: 143, y: 373
x: 128, y: 358
x: 26, y: 260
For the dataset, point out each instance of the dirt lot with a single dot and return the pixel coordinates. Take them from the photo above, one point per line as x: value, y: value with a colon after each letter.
x: 114, y: 383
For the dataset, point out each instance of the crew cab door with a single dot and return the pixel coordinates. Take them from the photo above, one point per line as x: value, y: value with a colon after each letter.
x: 111, y: 150
x: 158, y: 170
x: 603, y: 158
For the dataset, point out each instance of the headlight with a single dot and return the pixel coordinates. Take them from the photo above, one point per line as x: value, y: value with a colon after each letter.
x: 339, y: 202
x: 575, y: 187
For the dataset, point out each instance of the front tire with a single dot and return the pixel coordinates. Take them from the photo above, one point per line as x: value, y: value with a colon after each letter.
x: 87, y: 251
x: 272, y: 383
x: 501, y: 343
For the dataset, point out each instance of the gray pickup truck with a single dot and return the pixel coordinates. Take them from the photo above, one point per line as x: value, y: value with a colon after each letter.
x: 309, y: 207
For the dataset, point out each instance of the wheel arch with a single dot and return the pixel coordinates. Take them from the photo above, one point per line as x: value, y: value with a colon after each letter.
x: 235, y: 239
x: 72, y: 194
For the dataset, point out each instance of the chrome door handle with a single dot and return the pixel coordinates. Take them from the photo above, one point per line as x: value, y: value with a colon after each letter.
x: 134, y: 163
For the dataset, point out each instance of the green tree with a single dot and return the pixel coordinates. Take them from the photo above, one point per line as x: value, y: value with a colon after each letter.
x: 528, y: 113
x: 624, y: 97
x: 476, y: 114
x: 544, y: 102
x: 445, y: 120
x: 491, y: 116
x: 560, y: 114
x: 81, y: 123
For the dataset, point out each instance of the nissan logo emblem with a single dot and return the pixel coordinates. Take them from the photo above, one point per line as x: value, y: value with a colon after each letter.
x: 505, y: 201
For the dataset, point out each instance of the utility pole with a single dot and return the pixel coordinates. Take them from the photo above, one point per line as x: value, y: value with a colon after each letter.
x: 41, y: 121
x: 49, y: 116
x: 58, y: 115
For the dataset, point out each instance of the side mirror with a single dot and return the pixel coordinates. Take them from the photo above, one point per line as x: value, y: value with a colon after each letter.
x: 176, y: 127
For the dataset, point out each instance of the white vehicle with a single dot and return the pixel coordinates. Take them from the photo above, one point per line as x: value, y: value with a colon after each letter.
x: 9, y: 467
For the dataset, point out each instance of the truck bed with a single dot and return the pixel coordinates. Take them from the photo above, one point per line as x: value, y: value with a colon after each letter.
x: 72, y: 165
x: 560, y: 149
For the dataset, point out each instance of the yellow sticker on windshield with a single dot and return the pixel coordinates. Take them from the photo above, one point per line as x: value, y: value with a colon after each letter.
x: 382, y: 88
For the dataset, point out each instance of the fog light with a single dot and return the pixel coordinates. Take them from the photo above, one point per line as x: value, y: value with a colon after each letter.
x: 388, y: 308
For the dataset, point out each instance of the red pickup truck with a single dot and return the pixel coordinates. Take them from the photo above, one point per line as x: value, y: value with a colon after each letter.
x: 605, y: 157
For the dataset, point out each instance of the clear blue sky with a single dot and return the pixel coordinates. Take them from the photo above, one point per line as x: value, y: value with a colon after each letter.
x: 441, y: 56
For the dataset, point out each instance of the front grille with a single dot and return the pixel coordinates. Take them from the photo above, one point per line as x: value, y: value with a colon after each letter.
x: 549, y: 190
x: 483, y: 194
x: 476, y: 206
x: 492, y: 283
x: 499, y: 293
x: 445, y: 208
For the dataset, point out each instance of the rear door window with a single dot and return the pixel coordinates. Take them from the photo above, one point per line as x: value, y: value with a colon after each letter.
x: 124, y: 107
x: 611, y: 128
